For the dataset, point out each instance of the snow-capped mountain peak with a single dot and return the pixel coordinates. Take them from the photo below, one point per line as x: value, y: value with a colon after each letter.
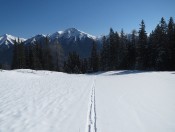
x: 34, y: 39
x: 7, y: 39
x: 71, y: 33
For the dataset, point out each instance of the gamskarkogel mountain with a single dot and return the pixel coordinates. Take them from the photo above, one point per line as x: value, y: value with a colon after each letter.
x: 74, y: 40
x: 71, y: 40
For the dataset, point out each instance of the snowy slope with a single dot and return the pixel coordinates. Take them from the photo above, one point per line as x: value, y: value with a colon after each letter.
x: 117, y: 101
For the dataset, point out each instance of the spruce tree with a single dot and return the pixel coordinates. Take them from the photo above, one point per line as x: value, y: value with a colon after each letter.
x: 22, y: 61
x: 141, y: 48
x: 28, y: 56
x: 73, y: 63
x: 59, y: 55
x: 36, y: 64
x: 94, y: 58
x: 117, y: 43
x: 113, y: 49
x: 163, y: 59
x: 151, y: 51
x: 19, y: 61
x: 132, y: 51
x: 171, y: 43
x: 105, y: 58
x: 15, y: 56
x: 47, y: 57
x: 123, y: 51
x: 84, y: 66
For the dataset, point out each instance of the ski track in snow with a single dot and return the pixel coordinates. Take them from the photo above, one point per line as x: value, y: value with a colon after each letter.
x: 44, y: 101
x: 92, y: 116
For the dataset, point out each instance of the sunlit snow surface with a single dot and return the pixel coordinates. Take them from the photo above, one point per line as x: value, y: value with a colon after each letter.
x: 117, y: 101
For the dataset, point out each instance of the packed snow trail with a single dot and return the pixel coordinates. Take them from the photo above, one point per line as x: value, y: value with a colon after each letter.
x: 92, y: 117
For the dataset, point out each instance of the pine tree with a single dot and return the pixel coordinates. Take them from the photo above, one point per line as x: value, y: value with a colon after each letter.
x: 112, y: 49
x: 162, y: 60
x: 36, y: 64
x: 84, y: 66
x: 28, y: 56
x: 94, y: 58
x: 27, y: 52
x: 171, y: 43
x: 58, y: 53
x: 47, y: 57
x: 132, y: 51
x: 73, y: 63
x: 22, y: 61
x: 151, y: 51
x: 15, y: 56
x: 117, y: 43
x: 19, y: 61
x: 104, y: 60
x: 113, y: 42
x: 141, y: 48
x: 123, y: 51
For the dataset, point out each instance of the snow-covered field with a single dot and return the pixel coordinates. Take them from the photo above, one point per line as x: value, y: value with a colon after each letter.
x: 116, y: 101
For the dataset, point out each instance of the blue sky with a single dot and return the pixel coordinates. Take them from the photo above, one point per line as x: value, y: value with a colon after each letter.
x: 26, y: 18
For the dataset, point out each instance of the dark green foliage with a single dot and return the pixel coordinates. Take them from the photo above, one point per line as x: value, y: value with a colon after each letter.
x: 58, y: 55
x: 47, y: 57
x: 162, y: 57
x: 112, y: 49
x: 22, y: 61
x: 73, y: 63
x: 105, y: 56
x: 34, y: 56
x: 84, y: 66
x: 141, y: 48
x: 36, y: 64
x: 153, y: 52
x: 19, y: 60
x: 15, y: 56
x: 123, y: 51
x: 132, y: 51
x: 94, y: 58
x: 171, y: 43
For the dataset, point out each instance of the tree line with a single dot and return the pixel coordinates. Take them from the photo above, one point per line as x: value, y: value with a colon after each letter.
x: 37, y: 56
x: 137, y: 51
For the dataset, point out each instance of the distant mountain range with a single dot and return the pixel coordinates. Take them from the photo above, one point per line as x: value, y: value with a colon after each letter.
x: 71, y: 40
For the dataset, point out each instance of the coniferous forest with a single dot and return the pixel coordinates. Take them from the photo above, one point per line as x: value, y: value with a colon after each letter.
x: 139, y: 51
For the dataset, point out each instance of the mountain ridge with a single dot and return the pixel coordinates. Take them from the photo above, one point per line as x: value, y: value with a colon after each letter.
x: 68, y: 33
x: 70, y: 39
